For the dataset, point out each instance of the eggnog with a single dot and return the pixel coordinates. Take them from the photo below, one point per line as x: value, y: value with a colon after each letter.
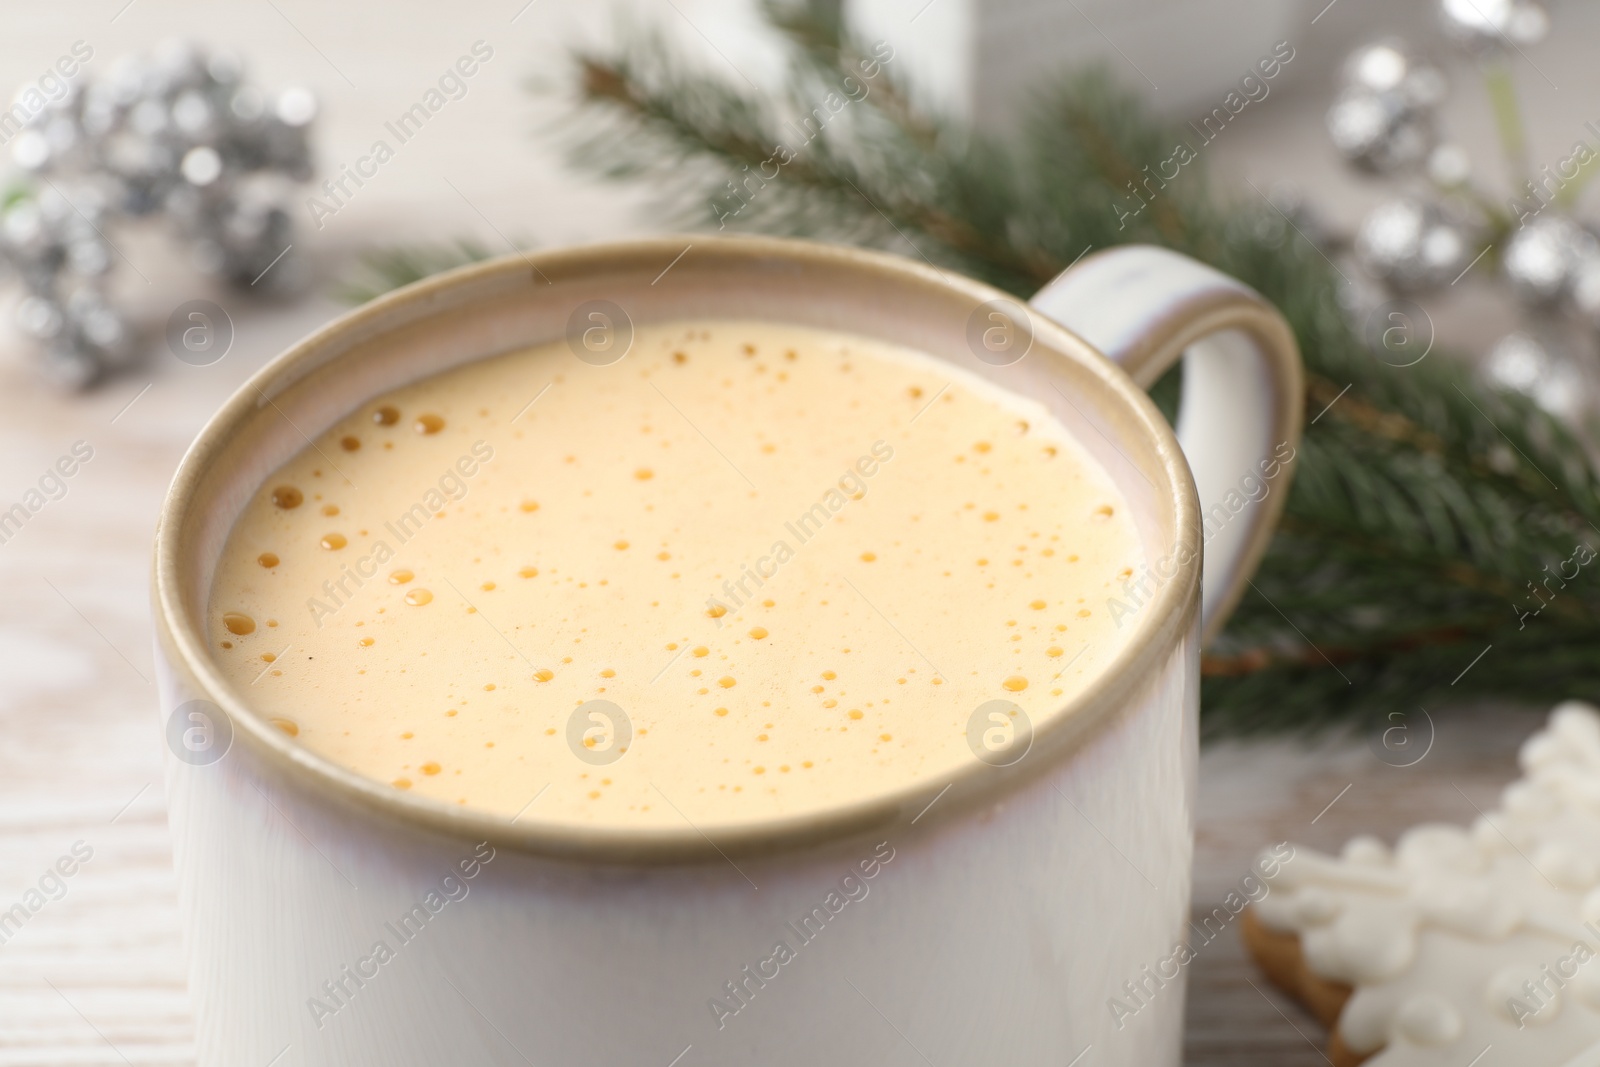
x: 748, y: 571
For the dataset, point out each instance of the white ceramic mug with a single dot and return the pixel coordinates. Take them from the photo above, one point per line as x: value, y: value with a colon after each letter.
x: 987, y: 918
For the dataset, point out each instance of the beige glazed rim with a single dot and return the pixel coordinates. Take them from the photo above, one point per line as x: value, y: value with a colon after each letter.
x: 1161, y: 623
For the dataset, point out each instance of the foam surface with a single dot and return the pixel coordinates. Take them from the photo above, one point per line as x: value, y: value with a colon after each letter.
x: 794, y: 562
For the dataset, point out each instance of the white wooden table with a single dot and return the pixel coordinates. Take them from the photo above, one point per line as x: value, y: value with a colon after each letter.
x: 96, y: 977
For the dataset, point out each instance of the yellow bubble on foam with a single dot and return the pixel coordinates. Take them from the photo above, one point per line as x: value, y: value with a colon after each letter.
x: 1016, y: 683
x: 727, y: 681
x: 419, y: 597
x: 543, y: 674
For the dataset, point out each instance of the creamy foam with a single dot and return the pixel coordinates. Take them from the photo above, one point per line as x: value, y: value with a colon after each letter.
x: 794, y: 562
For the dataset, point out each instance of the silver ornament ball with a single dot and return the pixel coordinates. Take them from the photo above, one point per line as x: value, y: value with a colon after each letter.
x: 1539, y: 258
x: 1525, y: 364
x: 177, y: 132
x: 1383, y: 117
x: 1412, y: 245
x: 1489, y: 25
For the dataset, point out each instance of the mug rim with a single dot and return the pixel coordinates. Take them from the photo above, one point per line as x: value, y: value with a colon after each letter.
x: 1163, y: 620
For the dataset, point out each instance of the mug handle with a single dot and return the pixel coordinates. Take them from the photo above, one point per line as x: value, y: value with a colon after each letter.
x: 1242, y: 411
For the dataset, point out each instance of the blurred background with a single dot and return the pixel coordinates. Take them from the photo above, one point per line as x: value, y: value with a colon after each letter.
x: 97, y: 977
